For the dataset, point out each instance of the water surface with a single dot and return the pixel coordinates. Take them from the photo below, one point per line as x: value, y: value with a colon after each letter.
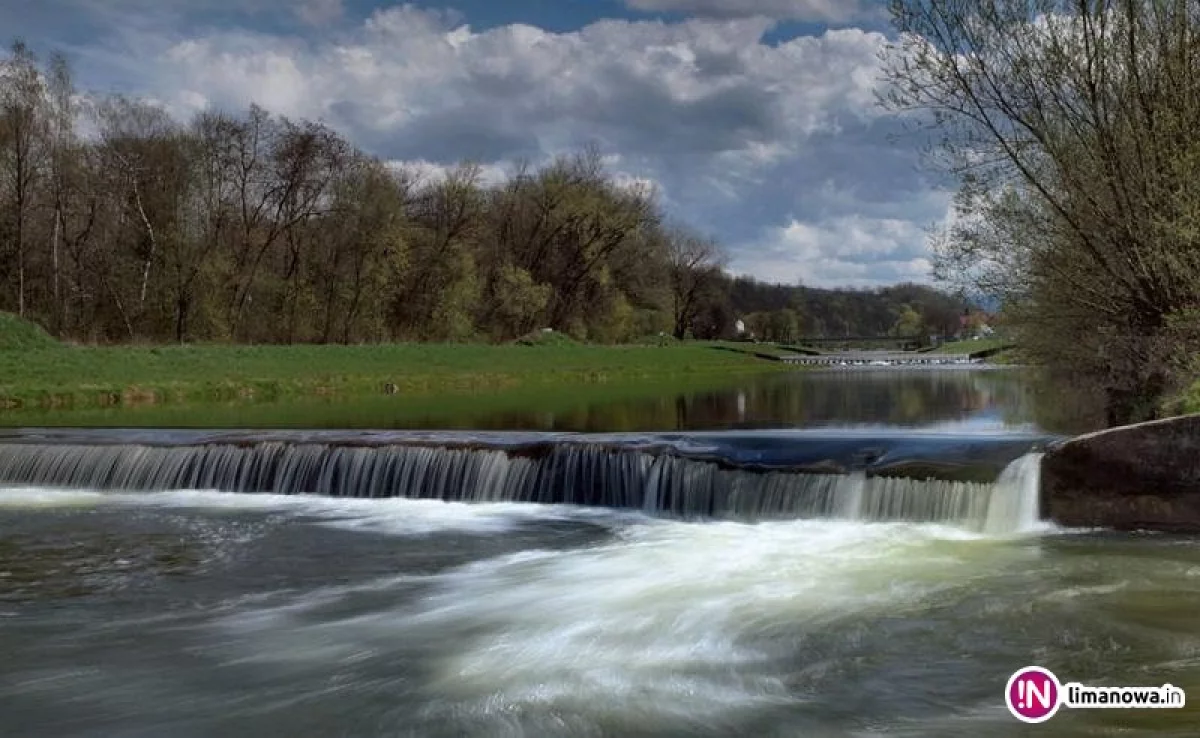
x: 933, y: 396
x: 201, y: 612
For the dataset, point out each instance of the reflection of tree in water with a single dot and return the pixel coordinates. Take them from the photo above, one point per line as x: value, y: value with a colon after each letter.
x: 893, y: 396
x: 1058, y: 407
x: 1067, y: 407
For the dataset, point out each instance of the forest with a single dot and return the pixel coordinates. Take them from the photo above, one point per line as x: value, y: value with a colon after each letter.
x: 120, y: 223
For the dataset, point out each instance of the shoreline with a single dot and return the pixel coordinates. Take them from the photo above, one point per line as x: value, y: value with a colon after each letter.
x: 80, y: 378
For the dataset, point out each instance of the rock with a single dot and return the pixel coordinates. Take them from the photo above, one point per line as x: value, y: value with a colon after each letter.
x: 1137, y: 477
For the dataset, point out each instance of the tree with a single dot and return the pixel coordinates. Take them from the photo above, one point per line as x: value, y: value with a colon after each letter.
x: 245, y: 226
x: 440, y: 296
x: 519, y: 302
x: 908, y: 323
x: 783, y: 326
x: 63, y: 150
x: 370, y: 246
x: 695, y: 264
x: 1070, y: 126
x: 22, y: 149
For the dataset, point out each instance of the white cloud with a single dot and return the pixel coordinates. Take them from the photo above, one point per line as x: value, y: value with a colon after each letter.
x: 428, y: 172
x: 709, y: 86
x: 845, y: 250
x: 834, y: 11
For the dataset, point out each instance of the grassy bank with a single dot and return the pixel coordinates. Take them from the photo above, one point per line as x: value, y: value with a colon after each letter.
x: 1187, y: 402
x: 647, y: 404
x: 60, y: 376
x: 971, y: 346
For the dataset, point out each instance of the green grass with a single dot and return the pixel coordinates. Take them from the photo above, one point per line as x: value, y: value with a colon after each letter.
x: 17, y: 334
x: 761, y: 350
x: 971, y: 347
x: 128, y: 375
x: 546, y: 338
x: 649, y: 404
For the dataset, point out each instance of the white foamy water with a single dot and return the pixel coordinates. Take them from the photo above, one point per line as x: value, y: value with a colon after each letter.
x: 1007, y: 506
x: 645, y: 626
x: 1013, y: 507
x: 667, y: 622
x: 40, y: 497
x: 395, y: 515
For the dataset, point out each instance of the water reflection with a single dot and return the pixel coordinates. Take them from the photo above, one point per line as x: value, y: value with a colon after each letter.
x: 946, y: 398
x: 914, y: 398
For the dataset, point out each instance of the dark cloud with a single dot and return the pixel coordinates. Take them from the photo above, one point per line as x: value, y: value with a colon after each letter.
x: 456, y: 135
x: 802, y: 10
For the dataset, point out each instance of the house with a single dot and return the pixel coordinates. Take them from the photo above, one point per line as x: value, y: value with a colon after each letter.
x: 974, y: 325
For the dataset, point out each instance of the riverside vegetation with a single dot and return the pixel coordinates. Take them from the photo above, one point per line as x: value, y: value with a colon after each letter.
x: 37, y: 371
x: 210, y: 257
x: 251, y: 228
x: 1070, y: 127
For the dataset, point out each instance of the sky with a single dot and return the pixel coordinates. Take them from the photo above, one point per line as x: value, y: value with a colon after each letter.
x: 756, y: 120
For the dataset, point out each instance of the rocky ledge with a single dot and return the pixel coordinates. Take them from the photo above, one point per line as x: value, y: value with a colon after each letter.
x: 1137, y: 477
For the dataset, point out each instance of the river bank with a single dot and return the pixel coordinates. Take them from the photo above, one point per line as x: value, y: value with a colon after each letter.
x: 80, y: 377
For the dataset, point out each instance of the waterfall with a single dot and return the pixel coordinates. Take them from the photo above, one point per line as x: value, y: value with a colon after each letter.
x: 1014, y: 503
x: 564, y: 473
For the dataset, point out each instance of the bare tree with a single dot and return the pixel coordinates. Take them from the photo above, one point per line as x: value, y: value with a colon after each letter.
x: 63, y: 154
x: 695, y: 264
x: 22, y: 137
x: 141, y: 146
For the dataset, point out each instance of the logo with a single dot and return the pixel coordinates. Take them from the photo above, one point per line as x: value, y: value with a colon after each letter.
x: 1033, y: 694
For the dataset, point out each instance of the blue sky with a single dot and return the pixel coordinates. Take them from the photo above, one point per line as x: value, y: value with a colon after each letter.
x: 755, y: 119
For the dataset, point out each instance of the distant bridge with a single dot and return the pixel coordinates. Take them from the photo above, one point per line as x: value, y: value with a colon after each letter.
x: 902, y: 341
x: 879, y: 358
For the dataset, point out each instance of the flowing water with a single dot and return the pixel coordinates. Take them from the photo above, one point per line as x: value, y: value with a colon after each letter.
x: 759, y: 583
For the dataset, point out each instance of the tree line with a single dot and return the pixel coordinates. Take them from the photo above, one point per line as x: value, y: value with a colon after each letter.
x: 120, y: 223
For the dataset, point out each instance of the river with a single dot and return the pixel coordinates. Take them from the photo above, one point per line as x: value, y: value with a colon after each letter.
x: 156, y: 586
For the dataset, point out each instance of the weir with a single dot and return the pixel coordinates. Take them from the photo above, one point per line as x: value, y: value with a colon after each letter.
x: 747, y: 477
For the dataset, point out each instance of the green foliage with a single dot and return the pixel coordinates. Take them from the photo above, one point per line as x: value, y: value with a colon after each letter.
x: 1071, y: 128
x: 1187, y: 402
x: 908, y: 323
x: 519, y: 301
x: 783, y: 326
x: 22, y: 335
x: 842, y: 312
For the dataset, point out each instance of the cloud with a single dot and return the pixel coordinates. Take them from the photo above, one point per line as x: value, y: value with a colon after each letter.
x: 832, y: 11
x: 318, y: 13
x: 859, y: 250
x: 704, y: 87
x: 431, y: 172
x: 777, y: 148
